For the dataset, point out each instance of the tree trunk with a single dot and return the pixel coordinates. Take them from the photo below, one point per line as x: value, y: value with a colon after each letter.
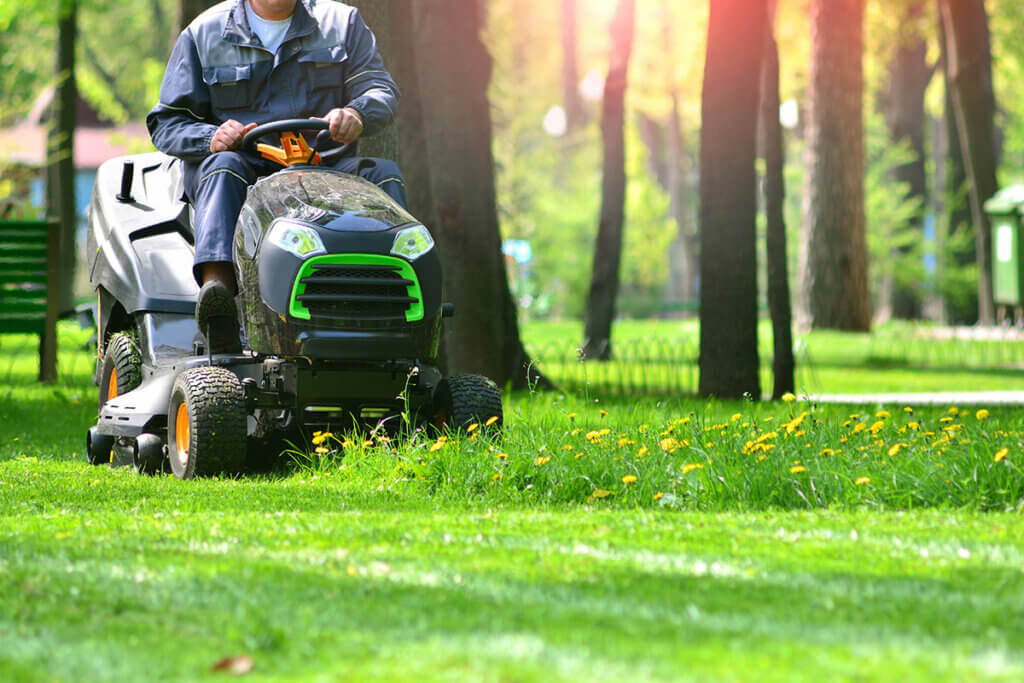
x: 969, y: 67
x: 604, y: 281
x: 449, y: 170
x: 61, y: 162
x: 378, y: 16
x: 836, y: 275
x: 903, y: 105
x: 728, y: 192
x: 190, y: 9
x: 956, y: 211
x: 774, y: 208
x: 575, y: 114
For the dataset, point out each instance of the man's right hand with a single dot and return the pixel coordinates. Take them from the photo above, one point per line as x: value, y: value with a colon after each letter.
x: 229, y: 136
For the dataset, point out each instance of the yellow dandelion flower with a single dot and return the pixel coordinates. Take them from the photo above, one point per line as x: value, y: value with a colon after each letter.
x: 320, y: 437
x: 625, y: 442
x: 954, y: 410
x: 668, y: 444
x: 642, y: 452
x: 736, y: 417
x: 593, y: 435
x: 542, y: 460
x: 883, y: 414
x: 913, y: 426
x: 908, y: 410
x: 761, y: 457
x: 497, y: 476
x: 691, y: 466
x: 568, y: 447
x: 491, y: 420
x: 946, y: 420
x: 877, y: 427
x: 843, y: 439
x: 600, y: 493
x: 368, y: 443
x: 827, y: 451
x: 604, y: 432
x: 859, y: 427
x: 628, y: 479
x: 603, y: 412
x: 472, y: 428
x: 894, y: 450
x: 322, y: 450
x: 854, y: 416
x: 1000, y: 455
x: 502, y: 456
x: 797, y: 469
x: 578, y: 456
x: 981, y: 414
x: 861, y: 481
x: 788, y: 397
x: 658, y: 495
x: 572, y: 416
x: 437, y: 445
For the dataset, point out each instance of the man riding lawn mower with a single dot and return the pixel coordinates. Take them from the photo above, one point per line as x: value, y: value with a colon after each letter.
x: 338, y: 285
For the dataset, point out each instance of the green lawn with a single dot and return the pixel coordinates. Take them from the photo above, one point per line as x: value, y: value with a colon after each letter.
x: 818, y: 553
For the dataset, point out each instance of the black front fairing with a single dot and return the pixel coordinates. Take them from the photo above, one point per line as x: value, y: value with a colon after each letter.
x: 357, y: 224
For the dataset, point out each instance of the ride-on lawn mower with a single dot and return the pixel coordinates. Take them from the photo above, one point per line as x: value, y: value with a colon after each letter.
x: 339, y: 291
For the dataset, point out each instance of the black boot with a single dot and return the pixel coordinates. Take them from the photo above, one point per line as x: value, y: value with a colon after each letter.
x: 217, y: 318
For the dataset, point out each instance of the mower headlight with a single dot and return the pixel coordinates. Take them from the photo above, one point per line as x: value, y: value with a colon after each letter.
x: 301, y: 240
x: 412, y: 243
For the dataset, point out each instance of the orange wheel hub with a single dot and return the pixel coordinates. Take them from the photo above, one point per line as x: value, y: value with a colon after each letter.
x: 112, y: 384
x: 182, y: 433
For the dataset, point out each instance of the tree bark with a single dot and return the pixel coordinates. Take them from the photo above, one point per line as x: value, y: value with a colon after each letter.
x: 903, y: 105
x: 969, y: 67
x: 604, y: 281
x: 61, y: 162
x: 836, y: 274
x: 728, y: 191
x: 445, y: 133
x: 772, y: 144
x: 378, y: 16
x: 575, y: 114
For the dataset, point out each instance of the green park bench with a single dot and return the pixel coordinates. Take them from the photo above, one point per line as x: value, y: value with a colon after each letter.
x: 28, y: 286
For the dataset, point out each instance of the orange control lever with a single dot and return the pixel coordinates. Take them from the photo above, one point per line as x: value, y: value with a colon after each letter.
x: 293, y: 150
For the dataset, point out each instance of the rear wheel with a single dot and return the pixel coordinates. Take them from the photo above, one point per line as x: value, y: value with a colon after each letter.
x: 206, y: 423
x: 121, y: 369
x: 464, y: 400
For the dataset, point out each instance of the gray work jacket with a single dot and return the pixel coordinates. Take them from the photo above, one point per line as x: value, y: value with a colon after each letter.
x: 219, y: 70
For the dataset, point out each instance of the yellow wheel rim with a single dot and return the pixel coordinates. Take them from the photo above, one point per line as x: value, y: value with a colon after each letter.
x: 182, y: 433
x: 112, y: 384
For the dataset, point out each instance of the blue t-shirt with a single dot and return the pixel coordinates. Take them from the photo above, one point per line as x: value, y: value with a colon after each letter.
x: 271, y: 33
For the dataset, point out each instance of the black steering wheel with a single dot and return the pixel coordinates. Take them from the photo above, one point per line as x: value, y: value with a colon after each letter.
x: 323, y: 138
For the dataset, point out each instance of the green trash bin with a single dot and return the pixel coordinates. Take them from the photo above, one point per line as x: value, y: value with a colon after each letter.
x: 1006, y: 212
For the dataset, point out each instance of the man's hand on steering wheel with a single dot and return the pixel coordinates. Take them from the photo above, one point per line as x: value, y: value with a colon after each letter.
x: 229, y: 136
x: 346, y: 124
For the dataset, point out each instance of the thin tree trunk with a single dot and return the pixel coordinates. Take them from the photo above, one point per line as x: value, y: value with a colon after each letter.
x: 836, y: 281
x: 774, y: 206
x: 449, y: 170
x: 969, y: 69
x: 61, y: 172
x: 728, y: 192
x: 909, y: 76
x: 604, y: 281
x: 574, y: 112
x: 956, y: 210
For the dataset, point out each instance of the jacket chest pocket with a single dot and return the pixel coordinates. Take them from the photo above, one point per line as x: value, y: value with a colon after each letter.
x: 230, y: 86
x: 324, y: 69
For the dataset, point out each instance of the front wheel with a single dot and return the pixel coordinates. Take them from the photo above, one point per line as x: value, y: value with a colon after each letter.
x: 206, y: 423
x: 464, y: 400
x: 121, y: 369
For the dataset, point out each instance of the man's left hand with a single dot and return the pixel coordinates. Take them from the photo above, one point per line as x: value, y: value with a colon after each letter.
x: 346, y: 124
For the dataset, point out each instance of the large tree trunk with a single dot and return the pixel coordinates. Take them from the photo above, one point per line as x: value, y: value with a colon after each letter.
x: 445, y: 133
x: 836, y: 274
x: 574, y: 112
x: 969, y: 66
x: 190, y: 9
x: 61, y: 162
x: 378, y: 16
x: 604, y: 281
x: 728, y: 191
x: 773, y: 147
x: 903, y: 105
